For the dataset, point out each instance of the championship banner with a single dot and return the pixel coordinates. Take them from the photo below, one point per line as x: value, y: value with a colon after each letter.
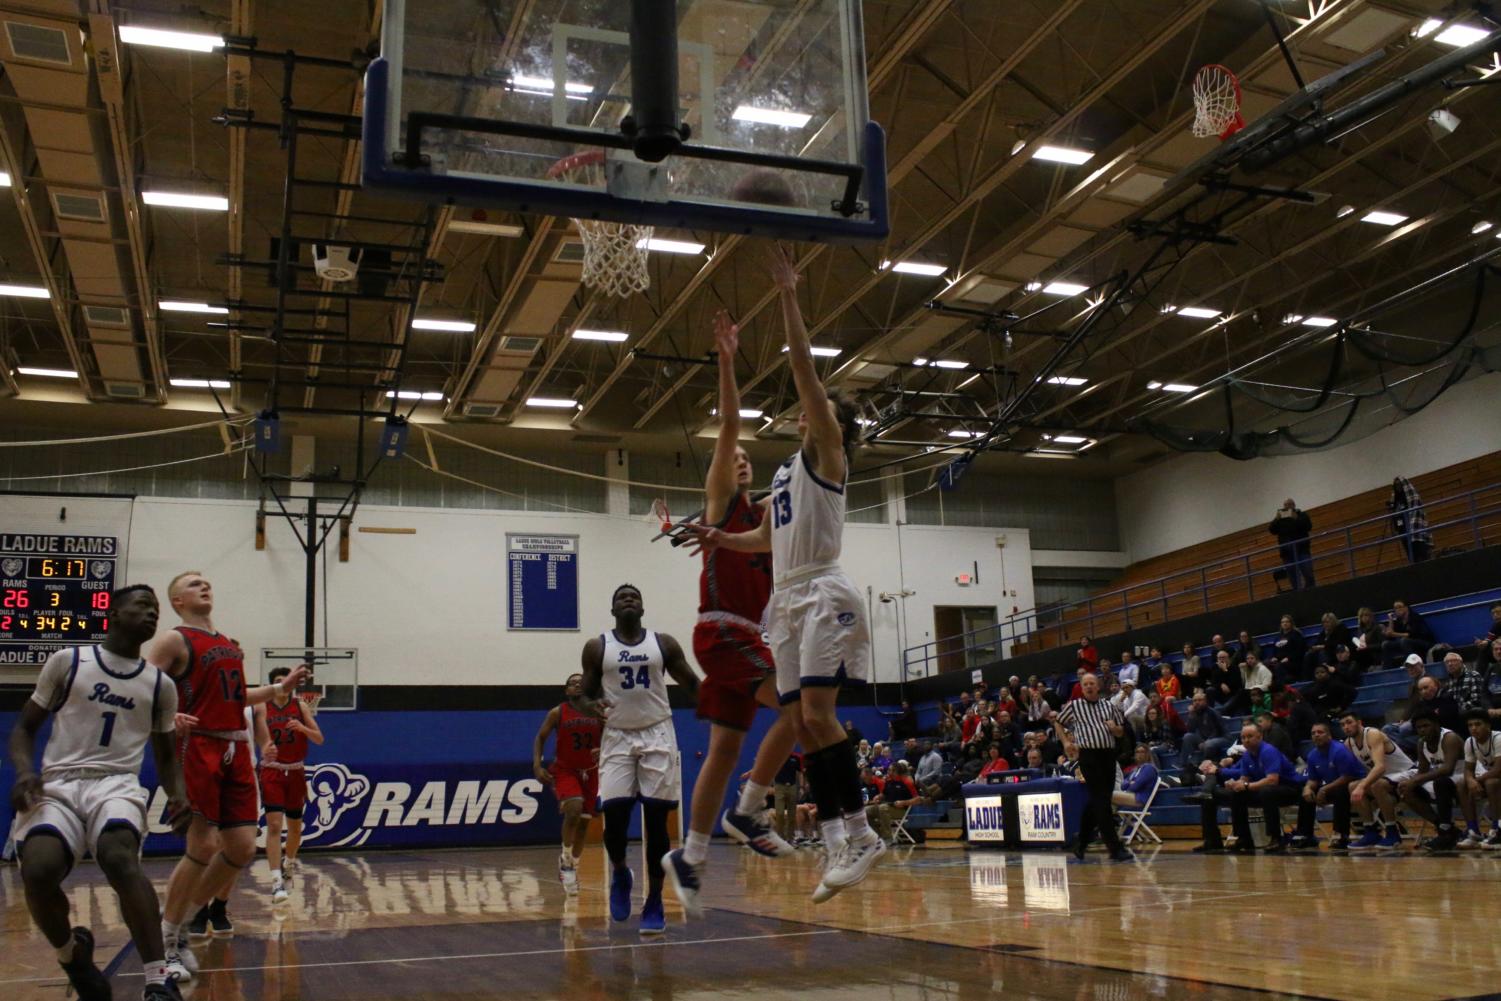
x: 542, y: 582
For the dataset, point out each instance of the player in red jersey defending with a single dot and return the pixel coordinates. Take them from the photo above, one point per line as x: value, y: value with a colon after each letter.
x: 734, y: 588
x: 209, y: 670
x: 283, y: 728
x: 574, y: 775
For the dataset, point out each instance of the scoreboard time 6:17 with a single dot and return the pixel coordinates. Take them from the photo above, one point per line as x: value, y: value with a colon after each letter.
x: 54, y: 592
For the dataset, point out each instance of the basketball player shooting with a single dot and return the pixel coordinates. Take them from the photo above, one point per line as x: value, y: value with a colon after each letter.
x: 738, y: 674
x: 819, y: 635
x: 626, y: 669
x: 105, y: 702
x: 284, y: 727
x: 574, y: 775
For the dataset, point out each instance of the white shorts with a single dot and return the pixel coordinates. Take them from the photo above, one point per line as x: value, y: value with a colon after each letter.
x: 640, y: 763
x: 79, y: 810
x: 819, y: 636
x: 1400, y: 777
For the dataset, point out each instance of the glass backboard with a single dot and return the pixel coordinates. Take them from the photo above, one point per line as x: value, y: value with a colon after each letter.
x: 335, y: 672
x: 493, y: 102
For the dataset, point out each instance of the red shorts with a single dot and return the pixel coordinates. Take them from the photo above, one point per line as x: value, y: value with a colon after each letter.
x: 221, y: 792
x: 284, y: 791
x: 570, y: 783
x: 735, y: 661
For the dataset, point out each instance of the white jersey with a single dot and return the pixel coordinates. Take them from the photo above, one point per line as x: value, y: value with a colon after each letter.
x: 1397, y: 761
x: 807, y: 522
x: 634, y: 682
x: 1481, y: 758
x: 1429, y: 760
x: 104, y: 707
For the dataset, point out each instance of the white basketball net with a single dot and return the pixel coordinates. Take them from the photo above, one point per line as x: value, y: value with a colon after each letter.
x: 1216, y: 102
x: 614, y: 253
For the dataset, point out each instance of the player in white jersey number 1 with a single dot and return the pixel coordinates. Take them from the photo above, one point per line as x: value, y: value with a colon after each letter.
x: 106, y: 702
x: 626, y: 669
x: 819, y: 635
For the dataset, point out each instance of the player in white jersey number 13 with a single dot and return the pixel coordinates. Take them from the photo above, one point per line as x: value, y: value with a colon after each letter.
x: 106, y: 703
x: 626, y: 669
x: 819, y: 635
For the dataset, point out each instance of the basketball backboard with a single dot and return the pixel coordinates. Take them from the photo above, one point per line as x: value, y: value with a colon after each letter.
x: 484, y: 104
x: 336, y: 672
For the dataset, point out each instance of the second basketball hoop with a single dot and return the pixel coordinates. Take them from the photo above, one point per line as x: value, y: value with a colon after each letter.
x: 1216, y: 92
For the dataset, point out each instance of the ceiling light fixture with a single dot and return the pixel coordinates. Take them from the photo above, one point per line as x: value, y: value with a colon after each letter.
x: 182, y: 200
x: 820, y: 352
x: 481, y: 228
x: 451, y: 326
x: 915, y: 268
x: 615, y: 336
x: 1051, y: 453
x: 199, y: 383
x: 1066, y: 380
x: 1063, y: 154
x: 4, y: 179
x: 1318, y: 321
x: 957, y: 433
x: 1178, y: 387
x: 1481, y: 227
x: 48, y: 373
x: 1343, y: 211
x: 1455, y: 36
x: 1069, y: 439
x: 1379, y: 218
x: 1198, y: 312
x: 553, y: 402
x: 168, y: 306
x: 159, y: 38
x: 771, y: 116
x: 411, y: 394
x: 25, y: 291
x: 1064, y: 288
x: 670, y: 246
x: 950, y: 363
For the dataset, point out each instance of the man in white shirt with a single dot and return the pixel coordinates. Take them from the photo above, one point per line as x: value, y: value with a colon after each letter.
x: 1131, y: 702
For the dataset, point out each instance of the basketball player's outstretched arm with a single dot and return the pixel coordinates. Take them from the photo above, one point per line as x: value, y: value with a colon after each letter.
x: 676, y: 665
x: 720, y: 486
x: 548, y: 726
x: 826, y: 436
x: 288, y: 687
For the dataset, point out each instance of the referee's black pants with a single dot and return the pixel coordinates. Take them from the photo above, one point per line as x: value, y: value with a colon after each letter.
x: 1097, y: 768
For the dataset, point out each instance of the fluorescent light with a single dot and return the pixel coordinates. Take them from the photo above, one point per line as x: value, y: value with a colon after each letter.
x: 915, y: 268
x: 1066, y: 380
x: 161, y: 39
x: 1343, y: 211
x: 179, y: 200
x: 600, y: 335
x: 1051, y: 453
x: 409, y: 394
x: 1063, y: 288
x: 750, y: 415
x: 199, y: 383
x: 1456, y: 35
x: 1291, y: 318
x: 191, y: 307
x: 772, y: 116
x: 484, y: 228
x: 1178, y: 387
x: 962, y: 434
x: 1383, y: 218
x: 1063, y: 154
x: 555, y: 402
x: 670, y: 246
x: 48, y: 373
x: 548, y: 84
x: 4, y: 179
x: 820, y: 352
x: 25, y: 291
x: 919, y: 362
x: 1480, y: 227
x: 1069, y: 439
x: 452, y: 326
x: 951, y: 363
x: 1318, y: 321
x: 1198, y: 312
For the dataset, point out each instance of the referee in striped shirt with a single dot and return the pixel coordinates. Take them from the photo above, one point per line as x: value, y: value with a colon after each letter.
x: 1094, y: 723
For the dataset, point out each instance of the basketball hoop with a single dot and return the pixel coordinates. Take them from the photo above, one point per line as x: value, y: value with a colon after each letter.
x: 1216, y: 103
x: 614, y: 253
x: 661, y: 514
x: 311, y: 700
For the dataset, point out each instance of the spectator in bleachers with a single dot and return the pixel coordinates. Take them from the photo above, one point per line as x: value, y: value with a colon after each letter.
x: 1482, y: 780
x: 862, y: 753
x: 1014, y: 686
x: 1486, y: 654
x: 1258, y: 700
x: 1217, y: 645
x: 880, y: 758
x: 966, y: 703
x: 1410, y: 520
x: 1129, y: 669
x: 1139, y: 782
x: 853, y: 732
x: 1386, y: 764
x: 1332, y: 770
x: 1292, y: 527
x: 1262, y: 777
x: 1432, y: 695
x: 929, y: 766
x: 1329, y: 695
x: 1003, y: 703
x: 1344, y: 667
x: 1494, y: 664
x: 994, y: 762
x: 1253, y: 674
x: 1294, y: 712
x: 1169, y: 713
x: 948, y: 727
x: 1245, y: 646
x: 1155, y: 735
x: 1087, y: 657
x: 1276, y: 734
x: 970, y: 723
x: 1368, y: 639
x: 1034, y: 759
x: 1466, y: 684
x: 912, y: 752
x: 1224, y: 680
x: 1034, y: 709
x: 1205, y: 739
x: 1331, y: 637
x: 1007, y: 736
x: 872, y: 784
x: 1167, y: 683
x: 904, y: 727
x: 1431, y: 792
x: 1289, y: 650
x: 1130, y: 701
x: 1188, y: 671
x: 1406, y: 632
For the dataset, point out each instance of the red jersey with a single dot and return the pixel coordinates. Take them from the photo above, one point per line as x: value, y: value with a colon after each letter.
x: 213, y: 686
x: 578, y: 737
x: 291, y: 744
x: 738, y: 583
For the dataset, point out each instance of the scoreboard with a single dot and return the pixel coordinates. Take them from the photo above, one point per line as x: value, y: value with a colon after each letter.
x: 54, y: 592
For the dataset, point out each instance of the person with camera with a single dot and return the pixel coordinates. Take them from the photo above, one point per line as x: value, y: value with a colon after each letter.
x: 1292, y: 528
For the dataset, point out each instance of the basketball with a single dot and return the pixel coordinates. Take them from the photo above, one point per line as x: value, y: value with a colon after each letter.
x: 765, y: 187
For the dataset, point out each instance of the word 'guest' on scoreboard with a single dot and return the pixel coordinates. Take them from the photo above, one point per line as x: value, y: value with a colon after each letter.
x: 542, y: 582
x: 54, y: 592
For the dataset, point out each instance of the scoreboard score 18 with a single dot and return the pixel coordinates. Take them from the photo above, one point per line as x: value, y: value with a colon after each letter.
x: 54, y: 592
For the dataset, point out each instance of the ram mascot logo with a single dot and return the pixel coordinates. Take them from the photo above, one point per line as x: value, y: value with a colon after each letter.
x: 332, y: 791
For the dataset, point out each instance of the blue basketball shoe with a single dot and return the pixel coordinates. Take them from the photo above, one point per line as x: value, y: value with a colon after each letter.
x: 620, y: 894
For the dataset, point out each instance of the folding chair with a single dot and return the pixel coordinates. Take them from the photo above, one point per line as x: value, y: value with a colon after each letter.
x: 1133, y: 823
x: 899, y: 832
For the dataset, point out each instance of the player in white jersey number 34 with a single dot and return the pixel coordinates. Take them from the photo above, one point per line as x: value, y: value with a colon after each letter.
x: 819, y: 635
x: 106, y: 703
